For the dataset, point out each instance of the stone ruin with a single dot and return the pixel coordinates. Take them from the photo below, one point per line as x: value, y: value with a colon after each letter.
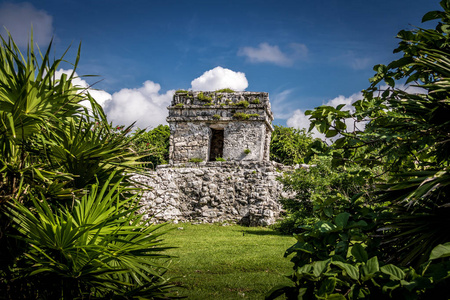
x: 219, y: 168
x: 207, y: 125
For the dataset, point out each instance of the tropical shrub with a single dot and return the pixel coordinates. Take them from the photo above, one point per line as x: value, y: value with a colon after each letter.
x: 97, y: 249
x: 320, y: 191
x: 289, y: 145
x: 153, y: 144
x: 396, y: 244
x: 69, y: 226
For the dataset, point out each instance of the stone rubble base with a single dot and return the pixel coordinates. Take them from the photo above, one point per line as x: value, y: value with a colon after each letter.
x: 243, y: 192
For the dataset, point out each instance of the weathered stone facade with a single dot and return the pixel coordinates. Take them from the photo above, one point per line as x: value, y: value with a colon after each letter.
x: 242, y: 192
x: 234, y: 126
x: 228, y: 134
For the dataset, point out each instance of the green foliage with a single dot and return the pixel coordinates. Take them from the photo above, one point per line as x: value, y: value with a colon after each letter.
x: 217, y: 117
x: 54, y: 156
x: 244, y: 116
x: 399, y: 249
x: 99, y: 248
x: 153, y: 145
x: 203, y: 97
x: 225, y: 91
x: 180, y: 105
x: 220, y: 159
x: 320, y: 193
x: 255, y: 101
x: 196, y: 160
x: 247, y: 151
x: 181, y: 92
x: 357, y: 276
x: 407, y: 135
x: 289, y: 145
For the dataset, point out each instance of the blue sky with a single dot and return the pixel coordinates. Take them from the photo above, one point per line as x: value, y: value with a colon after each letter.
x: 304, y: 53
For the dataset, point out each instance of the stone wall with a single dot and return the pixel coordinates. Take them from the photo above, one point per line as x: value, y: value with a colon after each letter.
x: 242, y: 192
x: 243, y: 117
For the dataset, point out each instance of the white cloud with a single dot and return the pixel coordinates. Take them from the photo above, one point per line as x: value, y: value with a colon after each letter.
x: 272, y: 54
x: 299, y: 120
x: 280, y: 107
x: 220, y: 78
x: 18, y: 19
x: 100, y: 96
x: 361, y: 63
x: 348, y: 101
x: 144, y: 105
x: 265, y: 53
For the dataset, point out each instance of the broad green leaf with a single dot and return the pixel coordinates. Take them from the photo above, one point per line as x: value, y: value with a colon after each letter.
x: 360, y: 223
x: 432, y: 15
x: 359, y: 253
x: 342, y: 248
x: 440, y: 251
x: 335, y: 297
x: 351, y: 270
x: 393, y: 271
x: 320, y: 266
x: 327, y: 287
x: 326, y: 227
x: 370, y: 268
x: 341, y: 219
x: 331, y: 133
x: 328, y: 211
x: 305, y: 269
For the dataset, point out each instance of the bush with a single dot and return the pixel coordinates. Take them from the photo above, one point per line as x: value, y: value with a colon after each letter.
x: 289, y: 146
x: 98, y: 248
x: 393, y: 245
x: 68, y: 209
x: 321, y: 192
x: 153, y: 144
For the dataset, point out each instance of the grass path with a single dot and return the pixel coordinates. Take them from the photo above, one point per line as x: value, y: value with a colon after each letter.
x: 227, y: 262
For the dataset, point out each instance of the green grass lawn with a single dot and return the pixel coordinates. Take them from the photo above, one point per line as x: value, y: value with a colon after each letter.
x: 227, y: 262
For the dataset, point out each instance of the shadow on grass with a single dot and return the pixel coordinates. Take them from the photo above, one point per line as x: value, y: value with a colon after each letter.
x: 262, y: 232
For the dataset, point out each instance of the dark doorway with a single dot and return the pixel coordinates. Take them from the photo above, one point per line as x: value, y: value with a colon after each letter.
x: 216, y: 149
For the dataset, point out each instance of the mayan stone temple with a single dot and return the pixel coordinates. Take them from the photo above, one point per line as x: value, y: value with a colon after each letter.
x: 207, y: 125
x: 219, y: 168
